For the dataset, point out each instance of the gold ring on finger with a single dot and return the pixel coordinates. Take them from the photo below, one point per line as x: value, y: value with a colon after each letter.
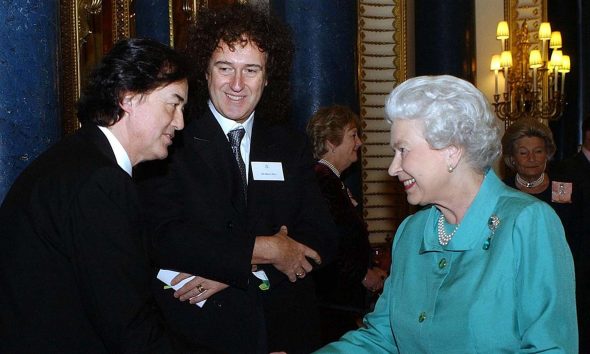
x: 200, y: 288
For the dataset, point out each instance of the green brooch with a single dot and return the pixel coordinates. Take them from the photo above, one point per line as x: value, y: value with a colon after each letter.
x: 493, y: 223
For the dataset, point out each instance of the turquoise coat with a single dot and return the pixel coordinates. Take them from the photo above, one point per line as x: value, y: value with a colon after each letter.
x: 510, y: 290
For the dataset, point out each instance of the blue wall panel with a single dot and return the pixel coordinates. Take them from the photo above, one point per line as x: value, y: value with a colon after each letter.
x: 29, y: 106
x: 324, y: 71
x: 151, y: 20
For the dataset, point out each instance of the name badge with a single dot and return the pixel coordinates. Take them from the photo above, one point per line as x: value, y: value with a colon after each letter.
x: 267, y: 171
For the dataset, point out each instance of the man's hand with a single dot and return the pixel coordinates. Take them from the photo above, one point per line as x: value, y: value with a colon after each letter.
x: 374, y: 279
x: 286, y: 254
x: 197, y: 289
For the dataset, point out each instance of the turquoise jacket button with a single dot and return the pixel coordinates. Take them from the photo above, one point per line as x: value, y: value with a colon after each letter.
x: 422, y: 317
x: 442, y: 263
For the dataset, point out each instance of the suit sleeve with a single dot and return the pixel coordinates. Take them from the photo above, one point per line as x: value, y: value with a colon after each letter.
x: 312, y: 223
x: 545, y: 286
x: 183, y: 242
x: 111, y: 266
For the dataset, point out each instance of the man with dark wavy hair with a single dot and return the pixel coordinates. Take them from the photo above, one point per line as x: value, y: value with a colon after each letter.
x: 74, y: 271
x: 240, y: 196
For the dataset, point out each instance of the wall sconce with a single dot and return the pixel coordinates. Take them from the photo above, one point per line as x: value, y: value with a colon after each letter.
x: 531, y: 78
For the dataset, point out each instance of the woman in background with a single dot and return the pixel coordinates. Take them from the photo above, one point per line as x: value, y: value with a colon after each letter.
x: 527, y: 148
x: 482, y: 267
x: 342, y: 286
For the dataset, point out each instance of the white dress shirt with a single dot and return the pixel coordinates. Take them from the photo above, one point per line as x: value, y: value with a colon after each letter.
x: 120, y: 154
x: 228, y: 125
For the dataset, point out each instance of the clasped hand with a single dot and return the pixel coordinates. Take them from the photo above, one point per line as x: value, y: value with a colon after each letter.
x: 197, y: 289
x: 289, y: 256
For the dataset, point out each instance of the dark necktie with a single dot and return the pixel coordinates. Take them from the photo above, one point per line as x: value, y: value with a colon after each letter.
x: 235, y: 138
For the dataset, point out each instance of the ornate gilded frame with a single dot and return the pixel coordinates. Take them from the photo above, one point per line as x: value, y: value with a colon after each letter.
x: 533, y: 11
x: 181, y: 14
x: 76, y: 17
x: 184, y: 12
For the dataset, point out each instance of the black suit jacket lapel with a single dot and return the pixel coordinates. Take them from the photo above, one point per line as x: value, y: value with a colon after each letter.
x: 262, y: 149
x: 92, y: 133
x: 206, y: 140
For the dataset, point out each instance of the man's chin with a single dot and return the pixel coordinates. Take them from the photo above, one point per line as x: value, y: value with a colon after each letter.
x: 161, y: 155
x: 236, y: 117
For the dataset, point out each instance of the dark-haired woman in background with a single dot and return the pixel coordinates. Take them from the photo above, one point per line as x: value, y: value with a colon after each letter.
x: 342, y: 286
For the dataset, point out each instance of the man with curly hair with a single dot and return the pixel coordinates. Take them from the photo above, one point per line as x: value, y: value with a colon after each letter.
x: 239, y: 196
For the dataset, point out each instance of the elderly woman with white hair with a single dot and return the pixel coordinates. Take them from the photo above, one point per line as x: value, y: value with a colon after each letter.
x: 481, y: 268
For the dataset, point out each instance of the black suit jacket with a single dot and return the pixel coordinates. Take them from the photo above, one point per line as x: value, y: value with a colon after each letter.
x: 203, y: 226
x: 74, y: 272
x: 577, y: 170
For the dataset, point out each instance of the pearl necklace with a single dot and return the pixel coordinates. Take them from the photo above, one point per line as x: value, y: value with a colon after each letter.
x: 532, y: 184
x: 330, y: 166
x: 443, y: 238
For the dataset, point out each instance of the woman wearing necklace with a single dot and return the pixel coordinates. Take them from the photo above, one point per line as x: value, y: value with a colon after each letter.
x: 527, y: 147
x: 481, y: 268
x: 342, y: 286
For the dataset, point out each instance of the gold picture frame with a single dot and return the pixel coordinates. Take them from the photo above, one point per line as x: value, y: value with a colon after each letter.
x: 89, y: 28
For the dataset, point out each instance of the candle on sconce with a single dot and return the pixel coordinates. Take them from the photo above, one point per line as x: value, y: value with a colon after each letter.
x: 506, y: 63
x: 555, y: 42
x: 535, y: 62
x: 502, y: 33
x: 556, y: 57
x: 495, y: 66
x: 564, y: 69
x: 544, y: 36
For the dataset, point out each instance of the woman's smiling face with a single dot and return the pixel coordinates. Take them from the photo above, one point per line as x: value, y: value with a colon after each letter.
x: 346, y: 153
x: 421, y: 169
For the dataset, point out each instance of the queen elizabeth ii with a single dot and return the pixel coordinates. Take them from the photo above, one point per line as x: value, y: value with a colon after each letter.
x: 481, y: 268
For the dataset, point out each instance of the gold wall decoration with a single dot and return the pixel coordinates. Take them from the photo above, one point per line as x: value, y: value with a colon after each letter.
x: 532, y: 62
x: 533, y: 11
x: 184, y: 12
x: 382, y: 47
x: 89, y: 29
x: 122, y: 19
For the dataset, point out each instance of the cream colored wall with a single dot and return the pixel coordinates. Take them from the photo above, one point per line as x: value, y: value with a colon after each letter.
x: 487, y: 15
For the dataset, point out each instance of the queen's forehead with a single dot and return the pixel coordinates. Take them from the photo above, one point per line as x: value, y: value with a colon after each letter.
x: 406, y: 130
